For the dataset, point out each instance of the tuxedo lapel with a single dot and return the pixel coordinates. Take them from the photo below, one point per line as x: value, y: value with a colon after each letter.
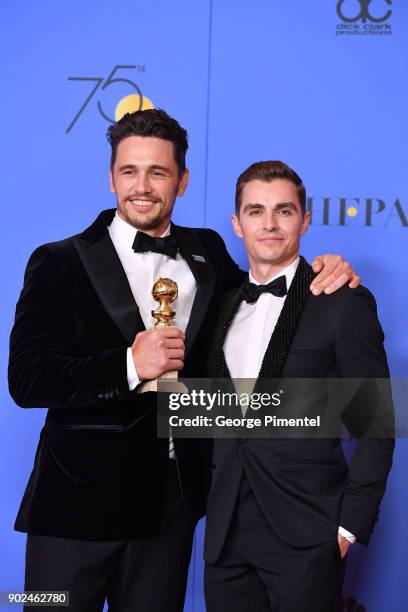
x: 200, y: 265
x: 281, y: 339
x: 233, y: 301
x: 105, y: 271
x: 103, y: 266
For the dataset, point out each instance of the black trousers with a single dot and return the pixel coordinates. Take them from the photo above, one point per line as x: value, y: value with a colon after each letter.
x: 142, y: 575
x: 259, y: 572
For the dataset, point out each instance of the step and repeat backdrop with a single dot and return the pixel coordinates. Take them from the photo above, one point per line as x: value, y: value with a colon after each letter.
x: 321, y: 85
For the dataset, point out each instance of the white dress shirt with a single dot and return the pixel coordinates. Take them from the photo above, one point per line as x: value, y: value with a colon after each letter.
x: 252, y: 328
x: 142, y: 270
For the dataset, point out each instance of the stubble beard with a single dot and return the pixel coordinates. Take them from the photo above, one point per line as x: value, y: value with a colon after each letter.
x: 139, y: 221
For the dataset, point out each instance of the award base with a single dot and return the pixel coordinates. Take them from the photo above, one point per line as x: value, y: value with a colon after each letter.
x: 172, y: 387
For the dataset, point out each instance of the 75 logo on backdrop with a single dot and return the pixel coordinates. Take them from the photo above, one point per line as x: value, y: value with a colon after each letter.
x: 127, y: 104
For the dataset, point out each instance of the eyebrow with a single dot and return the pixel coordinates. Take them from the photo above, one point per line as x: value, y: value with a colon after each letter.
x: 279, y: 206
x: 152, y: 167
x: 286, y: 205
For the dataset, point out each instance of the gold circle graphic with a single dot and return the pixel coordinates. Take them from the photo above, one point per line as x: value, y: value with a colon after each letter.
x: 352, y: 211
x: 130, y: 104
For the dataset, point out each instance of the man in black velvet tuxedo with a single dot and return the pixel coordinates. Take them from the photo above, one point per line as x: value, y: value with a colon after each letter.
x: 110, y: 509
x: 282, y: 513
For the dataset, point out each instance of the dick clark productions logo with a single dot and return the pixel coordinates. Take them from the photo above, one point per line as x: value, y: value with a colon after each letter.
x: 360, y: 17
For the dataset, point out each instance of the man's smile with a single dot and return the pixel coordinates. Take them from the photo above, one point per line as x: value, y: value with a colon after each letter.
x: 270, y: 239
x: 142, y: 203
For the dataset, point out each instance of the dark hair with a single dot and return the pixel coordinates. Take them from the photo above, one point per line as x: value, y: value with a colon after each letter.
x: 151, y: 122
x: 268, y: 171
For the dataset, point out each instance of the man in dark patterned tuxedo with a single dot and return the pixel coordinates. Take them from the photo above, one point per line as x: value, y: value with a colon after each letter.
x: 110, y: 509
x: 282, y: 513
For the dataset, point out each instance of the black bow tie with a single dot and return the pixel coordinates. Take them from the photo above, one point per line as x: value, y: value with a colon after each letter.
x: 276, y: 287
x: 144, y: 243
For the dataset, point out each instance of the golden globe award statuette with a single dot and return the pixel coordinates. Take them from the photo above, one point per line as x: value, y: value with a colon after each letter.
x: 164, y: 291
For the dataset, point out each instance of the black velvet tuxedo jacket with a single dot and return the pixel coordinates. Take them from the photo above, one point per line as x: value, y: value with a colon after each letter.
x: 304, y: 486
x: 100, y: 471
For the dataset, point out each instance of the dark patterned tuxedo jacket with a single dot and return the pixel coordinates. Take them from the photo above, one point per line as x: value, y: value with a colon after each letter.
x: 304, y: 486
x: 100, y: 470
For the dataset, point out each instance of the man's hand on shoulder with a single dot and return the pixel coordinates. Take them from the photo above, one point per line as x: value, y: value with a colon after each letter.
x: 157, y: 351
x: 333, y: 272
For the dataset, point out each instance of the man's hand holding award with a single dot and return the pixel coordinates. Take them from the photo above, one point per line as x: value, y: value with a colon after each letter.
x: 162, y: 354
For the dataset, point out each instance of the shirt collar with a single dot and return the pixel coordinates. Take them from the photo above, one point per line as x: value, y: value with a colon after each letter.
x: 289, y: 272
x: 126, y: 233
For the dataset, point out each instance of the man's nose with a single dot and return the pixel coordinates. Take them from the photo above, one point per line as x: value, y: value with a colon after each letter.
x: 142, y: 184
x: 270, y: 221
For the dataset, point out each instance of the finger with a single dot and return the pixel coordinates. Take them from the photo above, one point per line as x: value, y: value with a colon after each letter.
x: 176, y: 354
x: 322, y: 281
x: 335, y: 283
x: 340, y: 275
x: 329, y: 268
x: 355, y: 281
x: 170, y: 332
x: 326, y: 276
x: 331, y: 262
x: 317, y: 264
x: 175, y: 364
x: 174, y: 343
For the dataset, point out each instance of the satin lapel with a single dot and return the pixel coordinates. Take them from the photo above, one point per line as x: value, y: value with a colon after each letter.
x: 281, y: 339
x: 220, y: 365
x: 109, y: 280
x: 201, y: 266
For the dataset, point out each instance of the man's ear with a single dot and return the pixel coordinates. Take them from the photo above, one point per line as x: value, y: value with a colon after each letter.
x: 305, y: 223
x: 183, y: 183
x: 236, y: 226
x: 111, y: 183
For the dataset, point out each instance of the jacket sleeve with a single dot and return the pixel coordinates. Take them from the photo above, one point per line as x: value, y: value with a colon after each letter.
x: 369, y: 416
x: 43, y: 369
